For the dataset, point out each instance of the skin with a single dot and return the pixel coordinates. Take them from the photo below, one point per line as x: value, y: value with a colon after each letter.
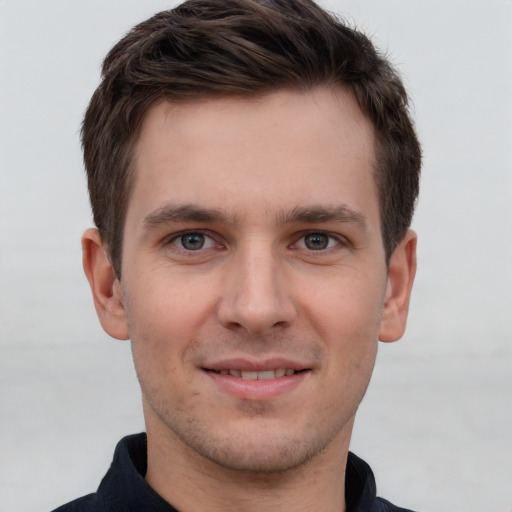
x: 252, y: 237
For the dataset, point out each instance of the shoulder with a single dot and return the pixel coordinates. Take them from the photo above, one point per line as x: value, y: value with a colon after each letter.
x: 87, y: 503
x: 122, y: 480
x: 95, y: 502
x: 124, y: 487
x: 361, y: 489
x: 382, y: 505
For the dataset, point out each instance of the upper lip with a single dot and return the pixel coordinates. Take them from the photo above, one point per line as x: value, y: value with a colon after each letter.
x: 252, y: 365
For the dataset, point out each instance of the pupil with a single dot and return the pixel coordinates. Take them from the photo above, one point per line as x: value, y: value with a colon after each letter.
x: 317, y: 241
x: 193, y: 241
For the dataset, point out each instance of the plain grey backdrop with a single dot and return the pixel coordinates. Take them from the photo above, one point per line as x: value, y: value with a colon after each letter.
x: 436, y: 424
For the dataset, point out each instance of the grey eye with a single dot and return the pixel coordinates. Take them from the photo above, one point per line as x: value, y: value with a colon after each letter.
x: 316, y: 241
x: 192, y: 241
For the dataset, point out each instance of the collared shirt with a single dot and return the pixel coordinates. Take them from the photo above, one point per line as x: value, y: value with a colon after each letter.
x: 124, y: 489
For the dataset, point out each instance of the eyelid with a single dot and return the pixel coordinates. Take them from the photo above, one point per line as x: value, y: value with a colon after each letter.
x: 340, y: 240
x: 170, y: 240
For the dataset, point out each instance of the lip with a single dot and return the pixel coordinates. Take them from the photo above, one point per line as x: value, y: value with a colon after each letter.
x: 255, y: 366
x: 256, y: 390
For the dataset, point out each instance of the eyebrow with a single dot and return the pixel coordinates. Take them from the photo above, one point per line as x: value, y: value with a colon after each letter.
x: 307, y: 215
x: 320, y: 214
x: 183, y: 213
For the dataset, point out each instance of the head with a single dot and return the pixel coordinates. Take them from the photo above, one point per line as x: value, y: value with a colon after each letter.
x: 243, y: 48
x: 254, y: 165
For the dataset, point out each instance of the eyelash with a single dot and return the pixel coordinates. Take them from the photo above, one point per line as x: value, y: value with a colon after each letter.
x: 337, y: 239
x: 179, y: 236
x: 330, y: 239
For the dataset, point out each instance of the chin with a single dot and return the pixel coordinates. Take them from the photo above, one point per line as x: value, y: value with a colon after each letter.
x: 260, y: 456
x: 259, y: 447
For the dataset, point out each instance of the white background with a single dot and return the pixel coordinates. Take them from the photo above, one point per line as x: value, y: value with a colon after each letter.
x: 436, y: 424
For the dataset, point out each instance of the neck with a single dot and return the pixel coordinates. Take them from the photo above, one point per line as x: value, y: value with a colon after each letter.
x: 189, y: 482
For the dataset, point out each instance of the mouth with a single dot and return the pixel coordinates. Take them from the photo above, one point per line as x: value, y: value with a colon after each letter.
x: 257, y: 375
x: 257, y: 380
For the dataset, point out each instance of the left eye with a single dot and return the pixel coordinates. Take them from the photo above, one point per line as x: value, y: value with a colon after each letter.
x: 317, y: 242
x: 193, y: 241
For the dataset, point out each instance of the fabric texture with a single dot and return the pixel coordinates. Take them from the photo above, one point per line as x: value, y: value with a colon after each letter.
x: 124, y: 489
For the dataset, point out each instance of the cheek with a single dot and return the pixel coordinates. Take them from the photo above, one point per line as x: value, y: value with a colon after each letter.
x: 161, y: 349
x: 347, y: 306
x: 345, y: 315
x: 168, y: 307
x: 165, y: 320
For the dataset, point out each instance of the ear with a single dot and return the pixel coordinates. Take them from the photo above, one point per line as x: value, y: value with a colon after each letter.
x: 401, y: 272
x: 105, y: 287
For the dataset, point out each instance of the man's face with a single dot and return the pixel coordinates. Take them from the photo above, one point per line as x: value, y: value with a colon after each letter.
x: 253, y: 275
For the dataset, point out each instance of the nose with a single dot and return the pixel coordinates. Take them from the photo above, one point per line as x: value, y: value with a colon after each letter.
x: 256, y: 295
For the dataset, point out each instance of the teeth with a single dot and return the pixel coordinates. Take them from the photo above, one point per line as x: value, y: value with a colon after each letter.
x: 266, y: 375
x: 263, y: 375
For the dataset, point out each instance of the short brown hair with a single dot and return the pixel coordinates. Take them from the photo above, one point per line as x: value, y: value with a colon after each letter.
x: 218, y: 48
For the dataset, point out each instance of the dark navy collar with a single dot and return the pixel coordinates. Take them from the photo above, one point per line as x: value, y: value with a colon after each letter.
x: 124, y: 489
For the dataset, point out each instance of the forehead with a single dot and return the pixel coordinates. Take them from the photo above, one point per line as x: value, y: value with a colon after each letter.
x: 279, y: 151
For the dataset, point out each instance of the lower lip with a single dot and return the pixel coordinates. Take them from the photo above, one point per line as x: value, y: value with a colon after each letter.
x: 257, y: 389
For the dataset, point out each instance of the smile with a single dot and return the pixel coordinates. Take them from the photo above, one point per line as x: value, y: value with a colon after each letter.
x: 258, y: 375
x: 260, y: 384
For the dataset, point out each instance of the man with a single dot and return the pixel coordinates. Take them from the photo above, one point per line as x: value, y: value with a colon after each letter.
x: 253, y: 172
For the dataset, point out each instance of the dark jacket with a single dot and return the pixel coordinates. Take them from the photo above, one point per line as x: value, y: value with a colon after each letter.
x: 123, y: 489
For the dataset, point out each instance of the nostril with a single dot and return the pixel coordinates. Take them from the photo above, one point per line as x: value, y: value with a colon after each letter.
x: 255, y: 304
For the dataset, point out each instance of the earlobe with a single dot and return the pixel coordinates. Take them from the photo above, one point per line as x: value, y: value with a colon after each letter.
x: 401, y: 272
x: 105, y: 287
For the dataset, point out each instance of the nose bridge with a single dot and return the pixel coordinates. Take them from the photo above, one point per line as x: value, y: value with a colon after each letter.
x: 256, y: 296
